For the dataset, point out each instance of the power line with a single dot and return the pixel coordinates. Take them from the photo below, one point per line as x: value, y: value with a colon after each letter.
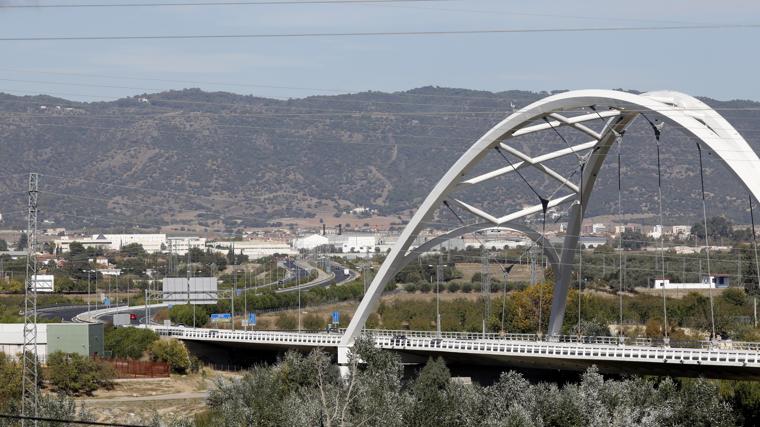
x: 389, y: 33
x: 206, y: 3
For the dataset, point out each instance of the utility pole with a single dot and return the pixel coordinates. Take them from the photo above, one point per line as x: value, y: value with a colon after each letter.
x: 89, y: 297
x: 298, y: 285
x: 189, y: 276
x: 30, y: 376
x: 485, y: 287
x: 438, y: 279
x: 234, y: 288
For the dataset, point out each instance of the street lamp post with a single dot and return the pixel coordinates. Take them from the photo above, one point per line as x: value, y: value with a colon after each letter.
x: 438, y: 274
x: 89, y: 297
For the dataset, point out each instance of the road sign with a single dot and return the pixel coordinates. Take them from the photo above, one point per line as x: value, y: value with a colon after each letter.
x: 336, y: 317
x: 216, y: 317
x: 252, y: 319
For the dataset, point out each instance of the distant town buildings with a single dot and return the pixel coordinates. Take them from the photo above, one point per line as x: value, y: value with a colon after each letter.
x: 180, y: 245
x: 310, y: 242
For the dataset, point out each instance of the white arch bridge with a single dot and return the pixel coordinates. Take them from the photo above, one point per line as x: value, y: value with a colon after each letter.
x: 611, y: 112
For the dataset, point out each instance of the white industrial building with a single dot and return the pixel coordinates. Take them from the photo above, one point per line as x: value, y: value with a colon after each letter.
x: 707, y: 282
x: 254, y: 249
x: 310, y: 242
x: 353, y: 242
x: 180, y: 245
x: 681, y: 231
x: 656, y: 232
x: 12, y: 339
x: 64, y: 243
x: 152, y: 243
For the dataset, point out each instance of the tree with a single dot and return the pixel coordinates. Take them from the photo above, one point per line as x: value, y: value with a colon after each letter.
x: 76, y: 248
x: 133, y: 250
x: 633, y: 240
x: 718, y: 227
x: 314, y: 322
x: 286, y: 322
x: 23, y: 241
x: 183, y: 315
x: 10, y: 383
x: 129, y: 342
x: 173, y: 352
x: 74, y: 374
x: 3, y: 245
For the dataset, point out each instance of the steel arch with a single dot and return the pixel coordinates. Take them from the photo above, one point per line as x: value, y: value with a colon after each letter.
x: 619, y: 109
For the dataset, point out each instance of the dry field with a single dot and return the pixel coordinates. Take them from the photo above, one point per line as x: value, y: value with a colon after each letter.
x: 138, y: 401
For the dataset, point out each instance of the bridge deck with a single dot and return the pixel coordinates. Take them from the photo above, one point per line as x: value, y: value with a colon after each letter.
x: 514, y: 347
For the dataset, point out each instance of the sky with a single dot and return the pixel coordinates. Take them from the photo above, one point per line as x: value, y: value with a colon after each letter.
x: 719, y: 63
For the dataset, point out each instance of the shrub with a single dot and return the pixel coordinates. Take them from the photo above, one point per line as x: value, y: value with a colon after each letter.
x: 286, y: 322
x: 313, y: 322
x: 172, y: 352
x: 10, y: 385
x: 183, y: 314
x: 425, y: 287
x: 453, y: 287
x: 74, y: 374
x: 467, y: 288
x: 735, y: 296
x: 129, y: 342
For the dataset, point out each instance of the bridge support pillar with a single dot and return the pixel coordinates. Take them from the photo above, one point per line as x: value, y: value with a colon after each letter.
x: 343, y: 361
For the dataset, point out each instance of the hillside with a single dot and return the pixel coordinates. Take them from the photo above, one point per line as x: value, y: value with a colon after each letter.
x: 190, y: 157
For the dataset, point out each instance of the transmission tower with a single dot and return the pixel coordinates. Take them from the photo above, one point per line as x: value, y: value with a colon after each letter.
x: 29, y: 379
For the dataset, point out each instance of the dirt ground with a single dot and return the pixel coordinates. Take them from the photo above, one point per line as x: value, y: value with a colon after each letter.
x: 518, y: 273
x: 680, y: 293
x: 350, y: 306
x: 137, y: 401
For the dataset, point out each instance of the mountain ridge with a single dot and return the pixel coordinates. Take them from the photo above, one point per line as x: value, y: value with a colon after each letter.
x: 250, y: 160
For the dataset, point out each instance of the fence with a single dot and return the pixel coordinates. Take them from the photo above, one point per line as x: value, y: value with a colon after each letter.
x: 127, y: 368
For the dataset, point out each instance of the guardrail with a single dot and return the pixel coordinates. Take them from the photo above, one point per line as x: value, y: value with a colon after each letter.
x: 686, y: 356
x: 515, y: 345
x: 530, y: 338
x: 93, y: 315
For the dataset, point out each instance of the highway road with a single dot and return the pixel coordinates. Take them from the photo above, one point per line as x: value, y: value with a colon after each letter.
x: 67, y: 313
x: 63, y: 313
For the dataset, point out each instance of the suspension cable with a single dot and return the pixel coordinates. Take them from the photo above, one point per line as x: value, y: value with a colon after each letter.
x: 620, y: 241
x: 504, y: 270
x: 577, y: 156
x: 657, y: 128
x: 754, y: 241
x: 582, y: 162
x: 544, y: 207
x: 580, y: 246
x: 707, y: 242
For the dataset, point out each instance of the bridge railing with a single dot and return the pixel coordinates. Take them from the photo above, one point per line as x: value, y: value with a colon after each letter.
x: 404, y: 336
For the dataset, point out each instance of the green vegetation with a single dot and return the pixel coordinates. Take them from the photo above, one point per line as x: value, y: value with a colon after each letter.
x: 74, y: 374
x: 307, y: 390
x: 10, y: 383
x: 189, y: 315
x: 172, y: 352
x: 129, y: 342
x: 732, y: 311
